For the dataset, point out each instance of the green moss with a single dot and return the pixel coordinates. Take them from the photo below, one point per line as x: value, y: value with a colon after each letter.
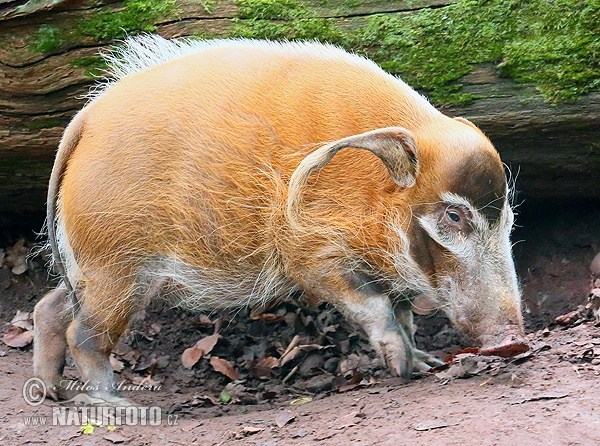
x: 48, y: 38
x: 49, y: 123
x: 284, y: 20
x: 135, y: 17
x: 94, y: 65
x: 553, y: 45
x: 204, y: 35
x: 320, y: 29
x: 209, y: 5
x: 272, y: 9
x: 558, y: 49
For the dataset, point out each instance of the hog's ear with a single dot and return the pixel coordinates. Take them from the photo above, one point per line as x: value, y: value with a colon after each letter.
x: 395, y: 147
x: 466, y: 121
x: 470, y: 124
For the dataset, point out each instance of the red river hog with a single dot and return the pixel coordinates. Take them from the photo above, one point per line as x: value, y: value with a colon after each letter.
x: 230, y: 172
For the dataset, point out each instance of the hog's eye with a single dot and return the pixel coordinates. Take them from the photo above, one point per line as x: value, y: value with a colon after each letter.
x: 453, y: 215
x: 456, y: 217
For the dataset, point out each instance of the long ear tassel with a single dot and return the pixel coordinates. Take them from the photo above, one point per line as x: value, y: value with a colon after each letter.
x: 395, y: 147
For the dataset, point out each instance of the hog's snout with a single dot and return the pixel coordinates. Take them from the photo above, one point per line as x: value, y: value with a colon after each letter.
x: 507, y: 343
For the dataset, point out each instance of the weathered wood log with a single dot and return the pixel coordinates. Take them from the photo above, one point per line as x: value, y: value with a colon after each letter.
x: 553, y: 151
x: 48, y: 60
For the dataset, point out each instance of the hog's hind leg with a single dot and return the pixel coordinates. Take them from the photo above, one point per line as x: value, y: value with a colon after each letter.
x: 107, y: 306
x: 51, y: 316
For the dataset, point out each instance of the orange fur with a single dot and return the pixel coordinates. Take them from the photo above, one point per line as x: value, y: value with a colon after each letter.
x: 170, y: 172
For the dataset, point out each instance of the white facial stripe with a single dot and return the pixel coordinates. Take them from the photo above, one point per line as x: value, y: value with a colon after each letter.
x: 455, y: 243
x: 456, y: 200
x: 507, y: 218
x: 479, y: 221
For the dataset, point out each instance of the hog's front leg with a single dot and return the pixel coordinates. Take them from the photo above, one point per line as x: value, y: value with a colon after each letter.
x: 422, y: 361
x: 376, y: 316
x: 360, y: 297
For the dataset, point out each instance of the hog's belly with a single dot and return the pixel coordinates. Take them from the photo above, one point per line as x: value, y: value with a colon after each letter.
x: 198, y: 288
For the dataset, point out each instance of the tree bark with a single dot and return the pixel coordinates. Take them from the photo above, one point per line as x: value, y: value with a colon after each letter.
x: 554, y: 151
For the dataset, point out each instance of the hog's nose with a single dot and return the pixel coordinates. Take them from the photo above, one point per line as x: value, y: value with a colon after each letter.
x: 510, y: 342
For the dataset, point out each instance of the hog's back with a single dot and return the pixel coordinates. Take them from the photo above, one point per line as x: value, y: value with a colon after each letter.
x: 191, y: 158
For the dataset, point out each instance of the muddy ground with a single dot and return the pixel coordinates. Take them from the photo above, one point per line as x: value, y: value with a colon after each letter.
x: 330, y: 388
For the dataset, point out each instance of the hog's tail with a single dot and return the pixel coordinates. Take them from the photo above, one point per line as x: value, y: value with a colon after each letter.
x: 66, y: 147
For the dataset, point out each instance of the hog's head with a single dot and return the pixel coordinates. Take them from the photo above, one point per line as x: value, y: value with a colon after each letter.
x: 460, y: 237
x: 450, y: 222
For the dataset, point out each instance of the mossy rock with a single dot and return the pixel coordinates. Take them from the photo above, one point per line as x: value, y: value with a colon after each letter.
x: 553, y: 45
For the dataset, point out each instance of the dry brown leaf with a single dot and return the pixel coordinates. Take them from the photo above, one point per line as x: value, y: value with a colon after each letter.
x: 234, y: 391
x: 225, y: 367
x: 131, y: 357
x: 264, y: 366
x: 20, y: 268
x: 572, y: 317
x: 203, y: 319
x: 116, y: 364
x: 284, y: 417
x: 296, y: 340
x: 269, y: 317
x: 268, y: 362
x: 351, y: 419
x: 252, y: 429
x: 162, y: 362
x: 147, y: 364
x: 349, y: 365
x: 192, y: 355
x: 17, y: 337
x: 468, y: 351
x: 17, y: 257
x: 288, y: 356
x: 353, y: 414
x: 465, y: 365
x: 355, y: 382
x: 208, y: 343
x: 22, y: 319
x: 202, y: 400
x: 294, y: 351
x: 310, y: 347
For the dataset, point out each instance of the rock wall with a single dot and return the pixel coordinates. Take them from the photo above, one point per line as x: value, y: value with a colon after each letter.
x: 48, y: 61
